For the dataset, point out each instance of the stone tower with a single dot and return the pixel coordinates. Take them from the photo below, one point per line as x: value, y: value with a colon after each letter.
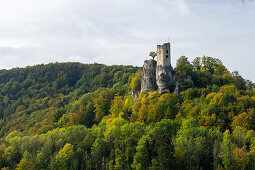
x: 164, y: 55
x: 164, y: 70
x: 149, y: 76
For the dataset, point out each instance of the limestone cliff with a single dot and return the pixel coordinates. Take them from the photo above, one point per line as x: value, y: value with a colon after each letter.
x: 149, y: 76
x: 164, y: 77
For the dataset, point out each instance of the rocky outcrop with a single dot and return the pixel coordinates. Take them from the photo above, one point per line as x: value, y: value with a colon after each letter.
x: 149, y: 76
x: 134, y: 94
x: 164, y: 77
x: 177, y: 89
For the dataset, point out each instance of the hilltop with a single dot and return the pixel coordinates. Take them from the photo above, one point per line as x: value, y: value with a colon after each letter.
x: 83, y: 116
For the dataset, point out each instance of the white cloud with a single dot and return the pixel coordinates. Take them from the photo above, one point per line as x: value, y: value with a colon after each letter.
x: 123, y: 32
x: 183, y: 7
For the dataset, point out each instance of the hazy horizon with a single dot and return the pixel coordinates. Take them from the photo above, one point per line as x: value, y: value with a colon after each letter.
x: 117, y: 32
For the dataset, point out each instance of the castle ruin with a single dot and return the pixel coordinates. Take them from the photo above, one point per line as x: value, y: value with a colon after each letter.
x: 159, y: 72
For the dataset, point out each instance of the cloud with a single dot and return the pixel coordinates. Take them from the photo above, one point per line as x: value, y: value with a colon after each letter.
x: 124, y: 32
x: 183, y: 7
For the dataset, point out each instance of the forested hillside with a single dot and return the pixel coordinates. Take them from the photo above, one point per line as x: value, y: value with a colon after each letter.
x: 83, y: 116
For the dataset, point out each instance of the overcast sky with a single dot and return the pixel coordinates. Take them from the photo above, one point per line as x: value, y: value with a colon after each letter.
x: 125, y: 31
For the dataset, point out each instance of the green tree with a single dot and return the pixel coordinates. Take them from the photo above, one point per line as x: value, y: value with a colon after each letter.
x: 239, y: 80
x: 117, y: 106
x: 197, y: 63
x: 102, y: 101
x: 24, y: 161
x: 194, y: 145
x: 41, y: 161
x: 167, y: 106
x: 65, y: 156
x: 183, y: 65
x: 210, y: 64
x: 153, y: 54
x: 155, y: 150
x: 227, y: 147
x: 135, y: 83
x: 98, y: 152
x: 12, y: 155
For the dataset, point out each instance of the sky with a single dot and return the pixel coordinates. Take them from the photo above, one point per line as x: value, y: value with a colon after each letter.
x: 123, y: 32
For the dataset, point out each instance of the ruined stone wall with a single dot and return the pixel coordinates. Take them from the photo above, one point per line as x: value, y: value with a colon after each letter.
x: 149, y: 76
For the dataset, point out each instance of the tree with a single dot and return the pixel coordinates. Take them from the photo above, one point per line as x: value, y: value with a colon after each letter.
x: 41, y: 161
x: 241, y: 139
x: 65, y: 157
x: 135, y: 83
x: 197, y: 63
x: 227, y: 148
x: 182, y: 63
x: 250, y: 85
x: 155, y: 150
x: 143, y: 156
x: 210, y: 64
x: 245, y: 119
x: 184, y: 67
x: 98, y: 151
x: 12, y: 155
x: 190, y: 145
x: 102, y: 100
x: 117, y: 106
x: 251, y: 154
x: 239, y: 80
x: 130, y: 135
x: 24, y: 161
x: 162, y: 136
x: 210, y: 122
x: 167, y: 106
x: 153, y: 54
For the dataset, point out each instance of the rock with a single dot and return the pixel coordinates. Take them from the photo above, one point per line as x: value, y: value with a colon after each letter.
x: 149, y: 76
x: 177, y: 90
x: 164, y: 78
x: 134, y: 94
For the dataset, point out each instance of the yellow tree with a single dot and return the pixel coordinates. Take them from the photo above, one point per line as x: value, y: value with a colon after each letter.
x: 117, y: 106
x: 65, y: 156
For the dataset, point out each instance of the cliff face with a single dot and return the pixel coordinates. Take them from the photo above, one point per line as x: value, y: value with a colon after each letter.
x: 149, y: 76
x: 164, y: 77
x: 153, y: 74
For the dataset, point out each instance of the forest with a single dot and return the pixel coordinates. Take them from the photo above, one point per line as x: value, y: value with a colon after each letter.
x: 83, y: 116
